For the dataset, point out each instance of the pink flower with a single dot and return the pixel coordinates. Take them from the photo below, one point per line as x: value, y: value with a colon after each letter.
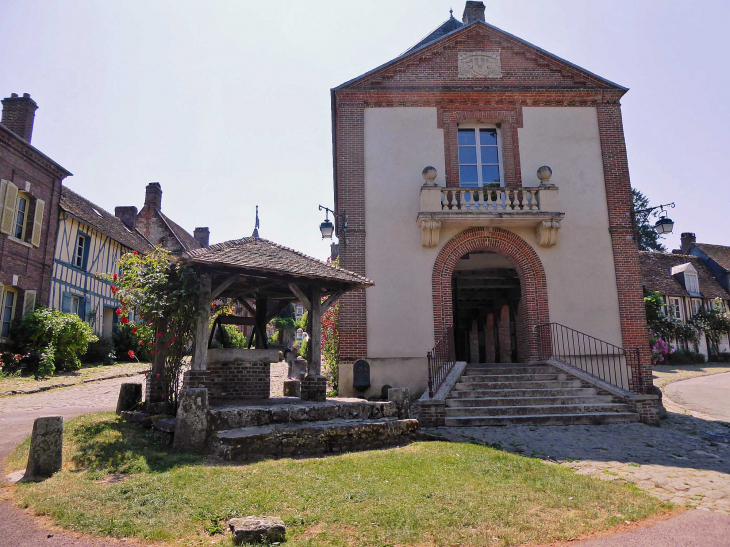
x: 158, y: 374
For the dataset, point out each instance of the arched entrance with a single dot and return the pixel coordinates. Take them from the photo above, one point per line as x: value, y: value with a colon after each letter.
x: 518, y: 302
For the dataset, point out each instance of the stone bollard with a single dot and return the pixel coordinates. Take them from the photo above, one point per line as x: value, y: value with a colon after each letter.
x: 314, y: 388
x: 191, y: 428
x: 292, y: 388
x: 46, y: 448
x: 130, y: 396
x: 257, y: 530
x: 401, y: 396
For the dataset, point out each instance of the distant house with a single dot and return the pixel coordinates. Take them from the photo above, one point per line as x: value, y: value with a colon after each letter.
x: 30, y: 190
x: 715, y: 257
x: 90, y: 241
x: 686, y: 285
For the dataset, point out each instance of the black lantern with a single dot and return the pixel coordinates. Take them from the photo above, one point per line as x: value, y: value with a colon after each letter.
x: 327, y: 229
x: 664, y: 225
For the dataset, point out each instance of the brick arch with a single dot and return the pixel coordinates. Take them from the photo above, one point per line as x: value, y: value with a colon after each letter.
x: 533, y: 282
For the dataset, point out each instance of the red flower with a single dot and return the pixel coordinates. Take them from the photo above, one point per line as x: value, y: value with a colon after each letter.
x: 159, y: 335
x: 150, y: 322
x: 158, y: 374
x: 134, y: 330
x: 119, y: 311
x: 124, y: 320
x: 131, y: 354
x: 141, y: 342
x: 114, y: 277
x: 135, y: 252
x: 153, y: 352
x: 113, y: 289
x: 174, y: 339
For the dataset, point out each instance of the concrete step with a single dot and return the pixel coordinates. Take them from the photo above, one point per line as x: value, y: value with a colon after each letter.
x: 310, y: 438
x: 536, y: 410
x: 490, y: 393
x: 525, y: 401
x: 469, y: 378
x: 548, y: 384
x: 510, y: 369
x: 589, y: 418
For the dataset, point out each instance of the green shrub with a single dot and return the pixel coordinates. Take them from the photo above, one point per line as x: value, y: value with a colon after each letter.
x: 685, y: 357
x: 723, y: 357
x: 136, y: 337
x: 100, y: 352
x: 54, y: 341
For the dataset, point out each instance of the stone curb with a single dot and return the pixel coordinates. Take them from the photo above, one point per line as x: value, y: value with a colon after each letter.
x: 57, y: 386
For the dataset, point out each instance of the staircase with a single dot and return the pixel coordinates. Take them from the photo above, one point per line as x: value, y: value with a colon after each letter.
x: 539, y: 394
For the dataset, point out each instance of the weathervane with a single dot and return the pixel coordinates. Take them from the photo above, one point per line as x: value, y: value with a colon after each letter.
x: 256, y: 227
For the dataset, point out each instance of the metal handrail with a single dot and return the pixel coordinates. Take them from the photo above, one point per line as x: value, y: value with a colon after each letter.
x: 600, y: 359
x: 441, y: 359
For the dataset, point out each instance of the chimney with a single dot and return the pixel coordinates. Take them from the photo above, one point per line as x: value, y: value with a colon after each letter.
x: 687, y: 239
x: 473, y: 11
x: 18, y: 114
x: 128, y: 215
x: 202, y: 236
x: 153, y: 195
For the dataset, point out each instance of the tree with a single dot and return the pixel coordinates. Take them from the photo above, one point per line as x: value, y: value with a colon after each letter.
x: 647, y: 237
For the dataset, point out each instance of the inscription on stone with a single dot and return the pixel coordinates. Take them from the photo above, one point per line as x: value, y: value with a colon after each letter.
x: 480, y: 64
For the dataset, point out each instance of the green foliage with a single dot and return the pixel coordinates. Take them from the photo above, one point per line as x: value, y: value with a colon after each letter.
x: 685, y: 357
x: 647, y: 237
x: 230, y: 337
x: 667, y: 327
x: 165, y: 295
x: 331, y: 346
x: 53, y: 341
x: 135, y: 337
x: 714, y: 323
x: 100, y: 352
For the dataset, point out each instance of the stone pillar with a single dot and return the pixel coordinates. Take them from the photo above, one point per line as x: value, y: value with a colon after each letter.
x: 505, y: 343
x: 520, y: 331
x: 191, y: 427
x: 402, y: 399
x: 314, y: 386
x: 490, y: 356
x: 130, y: 397
x: 474, y: 342
x: 197, y: 376
x: 46, y: 448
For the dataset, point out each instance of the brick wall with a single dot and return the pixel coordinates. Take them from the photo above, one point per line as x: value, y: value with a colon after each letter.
x: 238, y: 380
x: 33, y: 265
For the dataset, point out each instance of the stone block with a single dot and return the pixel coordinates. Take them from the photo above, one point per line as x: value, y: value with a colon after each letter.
x: 298, y: 368
x: 402, y: 399
x: 314, y: 388
x: 130, y: 397
x: 292, y: 388
x: 191, y: 427
x: 257, y: 530
x: 46, y: 448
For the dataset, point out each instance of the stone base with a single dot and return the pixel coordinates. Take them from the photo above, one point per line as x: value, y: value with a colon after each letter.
x: 191, y: 426
x: 649, y: 409
x: 46, y: 448
x: 402, y: 399
x: 130, y: 397
x: 432, y: 413
x: 154, y: 391
x: 292, y: 388
x: 314, y: 388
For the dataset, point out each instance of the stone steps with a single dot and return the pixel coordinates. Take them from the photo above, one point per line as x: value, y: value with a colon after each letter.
x: 537, y: 410
x: 489, y: 395
x: 523, y: 401
x: 590, y: 418
x: 310, y: 438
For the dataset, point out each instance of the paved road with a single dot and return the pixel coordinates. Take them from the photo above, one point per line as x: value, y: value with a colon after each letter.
x: 707, y: 394
x: 17, y: 414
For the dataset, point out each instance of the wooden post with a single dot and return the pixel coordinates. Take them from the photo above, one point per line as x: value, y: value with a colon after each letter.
x: 260, y: 328
x: 202, y: 331
x: 315, y: 336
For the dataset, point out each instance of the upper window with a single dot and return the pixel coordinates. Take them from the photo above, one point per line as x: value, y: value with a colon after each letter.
x: 7, y: 311
x: 691, y: 283
x: 80, y: 253
x: 479, y: 156
x: 21, y: 215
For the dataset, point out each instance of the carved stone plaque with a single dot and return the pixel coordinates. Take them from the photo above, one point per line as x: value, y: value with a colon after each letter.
x: 479, y: 64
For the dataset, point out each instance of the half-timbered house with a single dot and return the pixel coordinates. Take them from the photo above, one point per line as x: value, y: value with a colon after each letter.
x: 90, y: 241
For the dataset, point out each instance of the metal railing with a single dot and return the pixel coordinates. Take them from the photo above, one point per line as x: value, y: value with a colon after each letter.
x: 602, y: 360
x: 441, y: 359
x: 490, y: 199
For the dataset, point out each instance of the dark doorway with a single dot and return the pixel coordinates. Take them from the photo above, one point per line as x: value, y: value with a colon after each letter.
x: 487, y: 311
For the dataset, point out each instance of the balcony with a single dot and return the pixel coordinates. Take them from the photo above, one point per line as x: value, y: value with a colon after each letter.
x: 504, y: 207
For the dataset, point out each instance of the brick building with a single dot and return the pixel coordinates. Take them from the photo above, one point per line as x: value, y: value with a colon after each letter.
x: 524, y: 217
x: 30, y: 190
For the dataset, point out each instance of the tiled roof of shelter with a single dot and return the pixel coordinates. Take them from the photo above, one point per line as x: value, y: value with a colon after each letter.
x: 102, y: 220
x: 261, y: 254
x: 719, y: 253
x: 656, y: 273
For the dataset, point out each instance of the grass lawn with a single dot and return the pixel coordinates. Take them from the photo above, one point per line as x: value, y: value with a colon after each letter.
x: 116, y: 481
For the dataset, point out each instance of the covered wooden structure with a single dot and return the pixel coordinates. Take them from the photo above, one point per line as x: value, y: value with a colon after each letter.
x: 271, y: 276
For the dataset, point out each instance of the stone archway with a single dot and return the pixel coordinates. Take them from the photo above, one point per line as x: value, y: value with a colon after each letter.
x: 533, y: 282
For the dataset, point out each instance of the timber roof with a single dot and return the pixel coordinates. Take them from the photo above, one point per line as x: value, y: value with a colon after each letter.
x: 262, y: 255
x: 656, y: 274
x: 98, y: 218
x: 718, y: 253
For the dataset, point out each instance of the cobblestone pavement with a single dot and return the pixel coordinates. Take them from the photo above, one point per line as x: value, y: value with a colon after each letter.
x: 669, y: 464
x: 24, y: 385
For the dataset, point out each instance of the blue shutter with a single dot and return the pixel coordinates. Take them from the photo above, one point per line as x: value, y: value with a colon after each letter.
x: 86, y: 310
x: 66, y: 302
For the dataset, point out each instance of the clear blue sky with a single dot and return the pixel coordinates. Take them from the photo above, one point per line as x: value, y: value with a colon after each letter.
x: 226, y: 103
